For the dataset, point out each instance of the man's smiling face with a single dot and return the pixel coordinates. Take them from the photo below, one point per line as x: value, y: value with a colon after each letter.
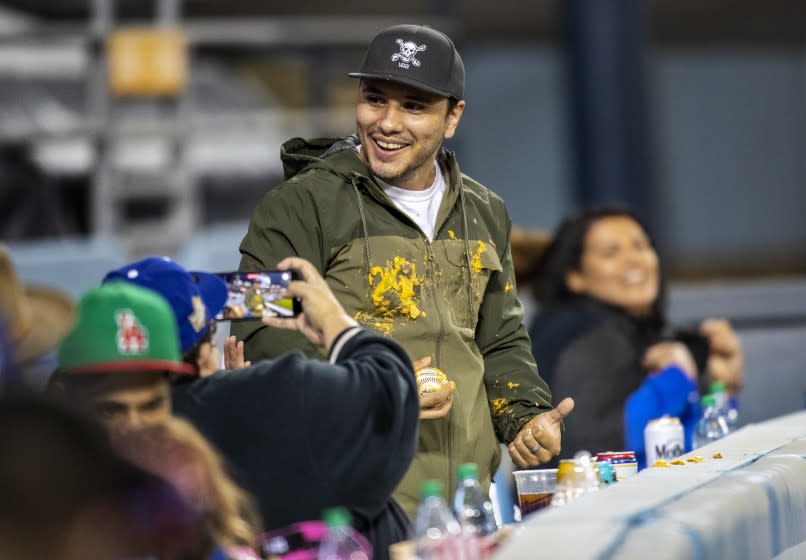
x: 401, y: 129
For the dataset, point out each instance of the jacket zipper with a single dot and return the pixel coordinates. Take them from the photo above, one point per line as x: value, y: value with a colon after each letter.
x: 432, y: 260
x: 432, y: 272
x: 437, y: 358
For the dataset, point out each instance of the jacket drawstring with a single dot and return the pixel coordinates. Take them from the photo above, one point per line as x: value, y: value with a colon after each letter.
x: 467, y: 257
x: 363, y: 215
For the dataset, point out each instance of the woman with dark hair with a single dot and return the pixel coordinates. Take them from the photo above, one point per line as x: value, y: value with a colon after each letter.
x: 602, y: 336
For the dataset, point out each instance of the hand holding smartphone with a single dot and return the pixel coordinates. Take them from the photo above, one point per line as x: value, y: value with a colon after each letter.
x: 259, y: 294
x: 697, y: 344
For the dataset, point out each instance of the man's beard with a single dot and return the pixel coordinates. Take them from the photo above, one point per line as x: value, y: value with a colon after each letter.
x: 411, y: 167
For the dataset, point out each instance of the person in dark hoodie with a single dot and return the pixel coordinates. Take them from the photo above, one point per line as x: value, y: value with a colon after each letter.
x: 418, y: 252
x: 301, y: 434
x: 602, y: 336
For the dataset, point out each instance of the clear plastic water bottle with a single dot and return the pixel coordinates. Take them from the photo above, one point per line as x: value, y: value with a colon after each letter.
x: 575, y: 477
x: 563, y: 492
x: 724, y: 405
x: 711, y: 425
x: 472, y: 505
x: 588, y: 482
x: 436, y: 530
x: 341, y: 542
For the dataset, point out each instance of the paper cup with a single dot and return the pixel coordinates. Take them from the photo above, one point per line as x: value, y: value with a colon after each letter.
x: 535, y: 489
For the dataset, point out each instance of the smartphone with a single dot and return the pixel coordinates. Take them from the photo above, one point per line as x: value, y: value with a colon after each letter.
x: 254, y: 295
x: 696, y: 343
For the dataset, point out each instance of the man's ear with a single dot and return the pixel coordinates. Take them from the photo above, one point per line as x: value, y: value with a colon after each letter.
x: 454, y: 116
x: 203, y: 354
x: 575, y: 282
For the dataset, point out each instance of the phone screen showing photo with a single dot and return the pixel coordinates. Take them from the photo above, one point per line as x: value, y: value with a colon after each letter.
x: 254, y: 295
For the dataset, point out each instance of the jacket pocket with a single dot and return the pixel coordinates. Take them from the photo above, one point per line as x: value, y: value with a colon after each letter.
x: 483, y: 263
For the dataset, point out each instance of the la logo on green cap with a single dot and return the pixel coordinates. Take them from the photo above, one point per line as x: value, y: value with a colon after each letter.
x: 132, y: 335
x: 122, y: 327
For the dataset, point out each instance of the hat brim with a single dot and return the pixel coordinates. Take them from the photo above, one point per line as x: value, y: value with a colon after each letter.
x: 408, y: 81
x: 52, y: 316
x: 213, y: 292
x: 134, y: 366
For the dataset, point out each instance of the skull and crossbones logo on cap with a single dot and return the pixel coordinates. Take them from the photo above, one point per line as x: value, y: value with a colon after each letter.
x: 407, y: 51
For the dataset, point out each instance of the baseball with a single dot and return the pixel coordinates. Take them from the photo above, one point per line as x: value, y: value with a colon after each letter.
x: 430, y: 379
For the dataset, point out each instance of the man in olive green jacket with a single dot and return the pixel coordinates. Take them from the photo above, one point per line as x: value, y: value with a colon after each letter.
x: 417, y: 251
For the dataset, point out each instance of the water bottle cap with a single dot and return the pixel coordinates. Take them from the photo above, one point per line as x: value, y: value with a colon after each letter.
x: 336, y: 517
x: 717, y: 387
x: 468, y: 470
x: 431, y: 488
x: 707, y: 400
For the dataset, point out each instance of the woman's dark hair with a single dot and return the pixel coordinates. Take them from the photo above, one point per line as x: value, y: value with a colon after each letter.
x: 564, y: 254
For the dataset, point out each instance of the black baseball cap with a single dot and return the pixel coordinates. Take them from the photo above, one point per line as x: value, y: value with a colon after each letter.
x: 418, y: 56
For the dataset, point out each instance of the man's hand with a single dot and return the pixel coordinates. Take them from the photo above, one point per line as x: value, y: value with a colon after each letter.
x: 539, y: 440
x: 233, y: 354
x: 322, y: 316
x: 664, y: 354
x: 437, y: 404
x: 725, y: 360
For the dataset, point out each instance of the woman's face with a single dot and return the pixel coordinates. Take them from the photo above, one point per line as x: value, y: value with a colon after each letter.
x: 619, y: 266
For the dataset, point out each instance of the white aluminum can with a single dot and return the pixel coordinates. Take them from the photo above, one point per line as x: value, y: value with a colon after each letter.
x: 663, y: 440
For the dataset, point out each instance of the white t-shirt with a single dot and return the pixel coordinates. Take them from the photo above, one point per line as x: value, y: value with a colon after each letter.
x: 420, y: 206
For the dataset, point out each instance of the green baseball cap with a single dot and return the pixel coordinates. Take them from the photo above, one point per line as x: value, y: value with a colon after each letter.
x: 122, y: 327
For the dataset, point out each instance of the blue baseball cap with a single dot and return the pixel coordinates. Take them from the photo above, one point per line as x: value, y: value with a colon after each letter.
x: 195, y: 297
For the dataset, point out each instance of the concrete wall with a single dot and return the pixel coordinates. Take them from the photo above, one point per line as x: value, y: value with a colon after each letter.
x: 731, y: 137
x: 513, y: 134
x: 729, y: 131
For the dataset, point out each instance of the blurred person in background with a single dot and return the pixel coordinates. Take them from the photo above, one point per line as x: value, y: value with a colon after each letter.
x: 176, y: 452
x: 35, y: 319
x: 301, y: 434
x: 602, y: 336
x: 417, y: 252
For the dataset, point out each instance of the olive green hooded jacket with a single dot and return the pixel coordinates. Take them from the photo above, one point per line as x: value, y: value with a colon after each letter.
x: 452, y: 299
